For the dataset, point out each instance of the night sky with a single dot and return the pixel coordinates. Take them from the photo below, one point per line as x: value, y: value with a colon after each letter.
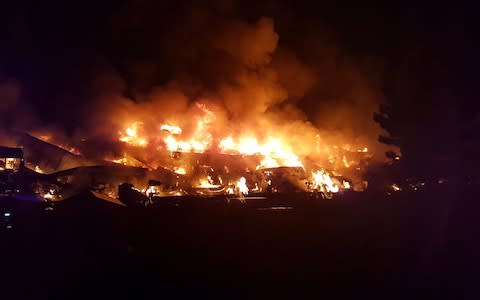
x: 419, y: 58
x: 402, y: 74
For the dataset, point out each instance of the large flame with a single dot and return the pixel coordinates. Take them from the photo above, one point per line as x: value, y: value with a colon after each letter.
x: 323, y: 182
x: 242, y: 186
x: 274, y: 148
x: 131, y: 135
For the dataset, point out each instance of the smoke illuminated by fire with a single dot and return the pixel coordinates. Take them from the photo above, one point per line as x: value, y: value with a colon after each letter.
x: 277, y: 149
x: 235, y: 94
x: 131, y: 135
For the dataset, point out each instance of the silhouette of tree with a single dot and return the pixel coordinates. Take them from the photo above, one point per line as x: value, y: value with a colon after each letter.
x: 428, y: 104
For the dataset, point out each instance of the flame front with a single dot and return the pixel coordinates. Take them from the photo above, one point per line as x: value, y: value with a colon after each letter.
x: 274, y: 148
x: 275, y: 152
x: 131, y: 135
x: 323, y: 182
x: 242, y: 186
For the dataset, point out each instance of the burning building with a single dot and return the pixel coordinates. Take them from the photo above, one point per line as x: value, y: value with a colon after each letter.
x: 11, y: 159
x: 236, y: 112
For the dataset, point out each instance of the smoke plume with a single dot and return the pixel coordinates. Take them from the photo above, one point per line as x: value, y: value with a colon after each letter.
x: 260, y: 71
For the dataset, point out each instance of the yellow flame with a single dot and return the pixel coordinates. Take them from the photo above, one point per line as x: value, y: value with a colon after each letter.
x: 171, y: 128
x: 274, y: 151
x: 131, y: 136
x: 207, y: 183
x: 242, y: 186
x: 323, y: 182
x: 180, y: 171
x: 122, y: 161
x: 345, y: 162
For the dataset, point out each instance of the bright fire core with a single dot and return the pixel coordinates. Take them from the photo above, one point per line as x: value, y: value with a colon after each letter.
x: 203, y: 135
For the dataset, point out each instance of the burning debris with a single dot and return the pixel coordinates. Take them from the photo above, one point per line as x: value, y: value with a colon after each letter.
x: 239, y: 169
x: 235, y: 126
x: 168, y: 161
x: 11, y: 159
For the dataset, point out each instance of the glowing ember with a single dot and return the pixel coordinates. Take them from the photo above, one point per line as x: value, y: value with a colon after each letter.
x: 45, y: 138
x: 345, y: 162
x: 274, y: 151
x: 268, y: 162
x: 396, y: 187
x: 126, y: 160
x: 48, y: 196
x: 70, y: 149
x: 122, y: 161
x: 48, y: 139
x: 152, y: 190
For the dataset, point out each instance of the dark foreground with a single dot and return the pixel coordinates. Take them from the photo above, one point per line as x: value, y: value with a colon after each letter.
x: 414, y: 245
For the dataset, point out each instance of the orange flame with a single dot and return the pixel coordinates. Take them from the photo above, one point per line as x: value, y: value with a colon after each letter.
x: 276, y: 148
x: 131, y: 136
x: 323, y: 182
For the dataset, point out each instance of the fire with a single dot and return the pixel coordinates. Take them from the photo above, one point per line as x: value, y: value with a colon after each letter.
x: 200, y: 139
x: 274, y: 148
x: 207, y: 183
x: 396, y: 187
x: 48, y: 139
x: 323, y: 182
x: 345, y: 162
x: 171, y: 128
x: 242, y: 186
x: 131, y: 136
x: 122, y: 161
x: 180, y: 171
x: 275, y: 152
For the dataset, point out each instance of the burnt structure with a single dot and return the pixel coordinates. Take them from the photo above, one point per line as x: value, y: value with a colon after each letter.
x: 11, y: 159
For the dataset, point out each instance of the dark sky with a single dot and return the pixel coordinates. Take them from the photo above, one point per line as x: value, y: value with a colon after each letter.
x: 52, y: 47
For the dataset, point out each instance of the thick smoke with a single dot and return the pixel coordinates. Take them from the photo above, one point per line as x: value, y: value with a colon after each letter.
x: 259, y: 72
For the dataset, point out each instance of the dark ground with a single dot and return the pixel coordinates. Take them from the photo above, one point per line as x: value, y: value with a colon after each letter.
x: 411, y: 245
